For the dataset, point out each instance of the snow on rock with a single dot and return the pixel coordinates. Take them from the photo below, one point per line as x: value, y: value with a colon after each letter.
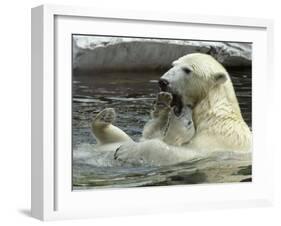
x: 111, y: 53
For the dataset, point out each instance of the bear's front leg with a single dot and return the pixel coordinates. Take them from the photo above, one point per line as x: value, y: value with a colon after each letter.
x: 180, y: 128
x: 159, y: 117
x: 104, y: 131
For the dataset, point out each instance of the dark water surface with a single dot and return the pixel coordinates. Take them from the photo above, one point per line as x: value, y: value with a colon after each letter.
x: 131, y: 94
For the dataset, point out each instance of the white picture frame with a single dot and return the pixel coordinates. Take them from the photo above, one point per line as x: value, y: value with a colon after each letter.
x: 51, y: 197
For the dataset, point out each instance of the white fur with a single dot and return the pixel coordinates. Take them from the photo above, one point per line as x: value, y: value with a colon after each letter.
x: 165, y: 125
x: 216, y: 114
x: 105, y: 133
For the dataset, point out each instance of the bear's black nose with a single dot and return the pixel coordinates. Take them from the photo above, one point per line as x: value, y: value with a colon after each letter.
x: 163, y: 84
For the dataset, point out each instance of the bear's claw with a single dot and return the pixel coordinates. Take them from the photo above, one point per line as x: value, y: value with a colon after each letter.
x: 162, y: 104
x: 107, y: 116
x: 115, y: 156
x: 164, y: 98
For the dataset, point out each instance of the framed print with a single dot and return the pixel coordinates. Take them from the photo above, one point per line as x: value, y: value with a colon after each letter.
x: 142, y: 113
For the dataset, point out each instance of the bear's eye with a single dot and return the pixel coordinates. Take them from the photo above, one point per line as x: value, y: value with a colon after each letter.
x: 186, y: 70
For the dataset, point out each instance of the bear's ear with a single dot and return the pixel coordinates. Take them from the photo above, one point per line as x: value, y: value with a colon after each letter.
x: 220, y: 77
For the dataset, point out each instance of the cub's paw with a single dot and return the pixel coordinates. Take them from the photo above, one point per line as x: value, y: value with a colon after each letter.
x: 106, y: 116
x: 162, y: 104
x: 164, y: 99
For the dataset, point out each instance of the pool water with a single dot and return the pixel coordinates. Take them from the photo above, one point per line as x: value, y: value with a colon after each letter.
x: 131, y: 94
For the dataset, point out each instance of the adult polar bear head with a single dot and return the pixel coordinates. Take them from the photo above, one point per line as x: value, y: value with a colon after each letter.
x: 203, y: 83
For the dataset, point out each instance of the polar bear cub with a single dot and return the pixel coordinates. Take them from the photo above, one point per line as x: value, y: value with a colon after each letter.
x: 164, y: 125
x: 167, y: 125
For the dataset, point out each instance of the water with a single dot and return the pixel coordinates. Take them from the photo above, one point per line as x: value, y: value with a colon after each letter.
x: 132, y: 95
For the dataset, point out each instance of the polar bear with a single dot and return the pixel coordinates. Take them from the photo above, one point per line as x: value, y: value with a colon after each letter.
x: 164, y: 124
x: 202, y: 82
x: 199, y: 81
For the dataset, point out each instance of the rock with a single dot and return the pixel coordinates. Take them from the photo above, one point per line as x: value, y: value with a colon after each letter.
x: 110, y: 53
